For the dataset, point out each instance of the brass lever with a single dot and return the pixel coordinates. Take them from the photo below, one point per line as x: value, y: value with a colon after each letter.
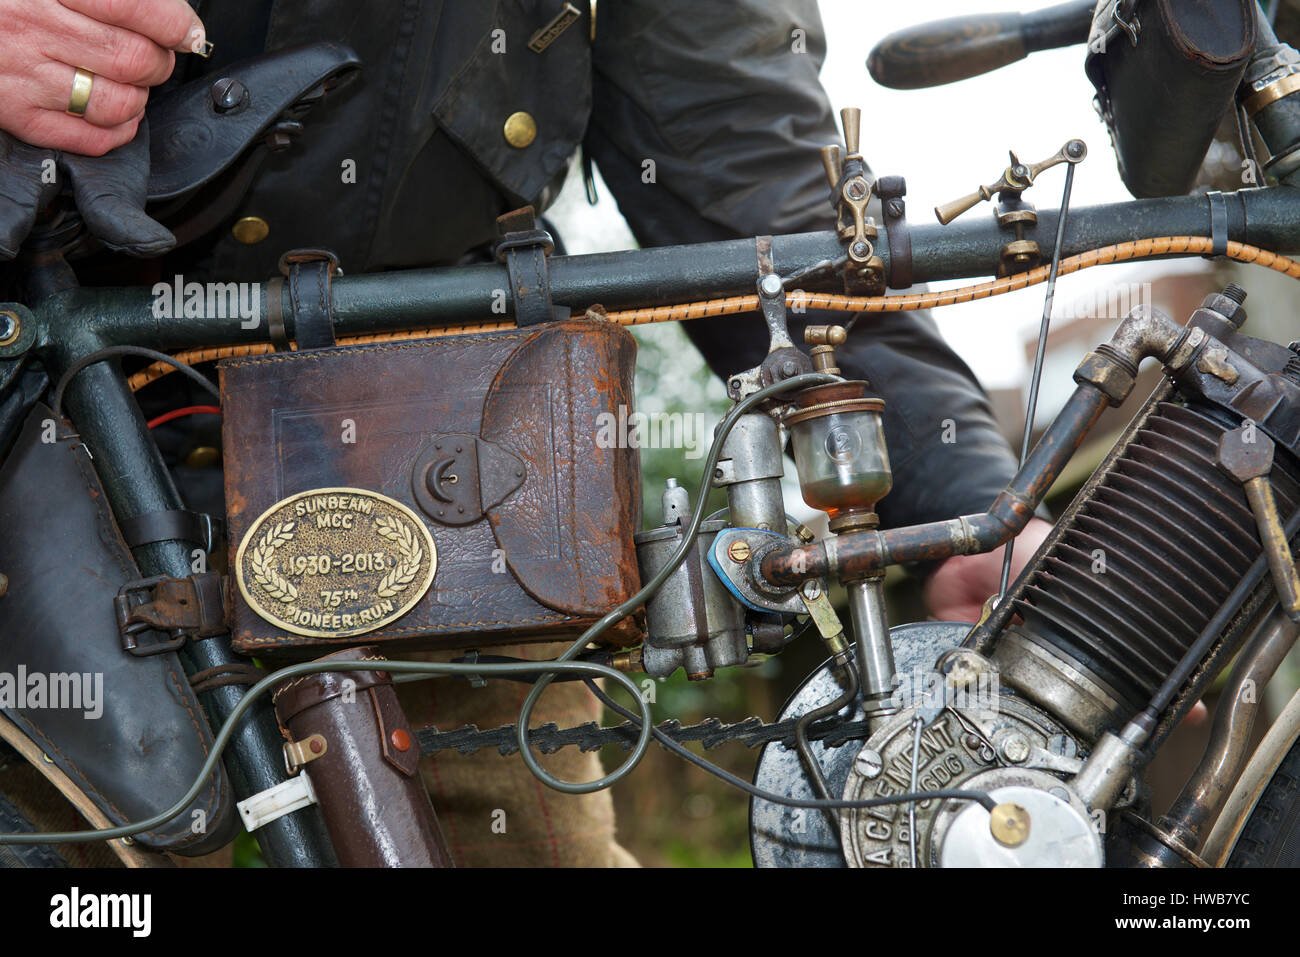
x: 1015, y: 179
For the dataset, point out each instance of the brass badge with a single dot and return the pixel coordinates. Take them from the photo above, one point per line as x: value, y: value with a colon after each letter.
x: 334, y: 562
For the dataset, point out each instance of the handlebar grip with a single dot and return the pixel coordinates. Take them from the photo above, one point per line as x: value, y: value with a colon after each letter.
x: 932, y: 54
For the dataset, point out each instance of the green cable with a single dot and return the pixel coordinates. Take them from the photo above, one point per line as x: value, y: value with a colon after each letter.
x: 650, y: 587
x: 423, y: 668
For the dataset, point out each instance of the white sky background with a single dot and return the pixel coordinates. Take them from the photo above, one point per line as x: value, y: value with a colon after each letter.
x: 947, y: 141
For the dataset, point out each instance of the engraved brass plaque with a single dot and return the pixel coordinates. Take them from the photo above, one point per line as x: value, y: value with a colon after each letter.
x: 333, y: 562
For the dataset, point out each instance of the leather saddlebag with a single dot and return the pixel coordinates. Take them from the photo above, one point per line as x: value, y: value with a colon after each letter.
x: 443, y: 493
x: 125, y: 729
x: 1166, y: 72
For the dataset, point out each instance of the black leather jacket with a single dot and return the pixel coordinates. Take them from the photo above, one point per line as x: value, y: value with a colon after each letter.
x: 717, y: 94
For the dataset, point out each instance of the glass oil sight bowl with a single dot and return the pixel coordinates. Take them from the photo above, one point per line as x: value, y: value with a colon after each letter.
x: 839, y: 448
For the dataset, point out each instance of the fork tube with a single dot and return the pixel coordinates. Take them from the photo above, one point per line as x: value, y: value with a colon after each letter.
x: 136, y: 482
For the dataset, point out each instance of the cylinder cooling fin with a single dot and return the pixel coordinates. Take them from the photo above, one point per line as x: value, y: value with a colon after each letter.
x: 1151, y: 555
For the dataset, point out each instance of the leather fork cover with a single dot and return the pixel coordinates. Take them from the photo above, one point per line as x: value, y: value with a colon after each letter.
x: 127, y: 730
x: 530, y: 556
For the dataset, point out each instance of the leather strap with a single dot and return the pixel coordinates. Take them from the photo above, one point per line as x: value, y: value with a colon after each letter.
x: 1218, y: 224
x: 173, y: 525
x: 311, y: 274
x: 275, y: 314
x: 524, y: 248
x: 892, y: 189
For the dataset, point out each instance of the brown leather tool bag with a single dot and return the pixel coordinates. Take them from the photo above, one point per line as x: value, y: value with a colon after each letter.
x: 502, y: 448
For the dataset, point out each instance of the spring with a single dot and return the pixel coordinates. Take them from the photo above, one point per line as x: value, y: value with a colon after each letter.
x: 1152, y: 554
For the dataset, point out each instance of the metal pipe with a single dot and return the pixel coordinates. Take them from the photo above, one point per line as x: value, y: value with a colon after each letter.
x: 858, y: 554
x: 875, y: 650
x: 1197, y: 807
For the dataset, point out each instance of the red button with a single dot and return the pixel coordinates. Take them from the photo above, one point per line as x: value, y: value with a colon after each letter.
x: 401, y: 740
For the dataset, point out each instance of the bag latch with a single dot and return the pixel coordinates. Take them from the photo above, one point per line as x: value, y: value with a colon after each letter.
x: 183, y: 608
x: 457, y: 478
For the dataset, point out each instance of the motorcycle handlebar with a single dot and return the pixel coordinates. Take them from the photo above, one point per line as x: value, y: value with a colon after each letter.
x: 945, y: 51
x: 419, y: 298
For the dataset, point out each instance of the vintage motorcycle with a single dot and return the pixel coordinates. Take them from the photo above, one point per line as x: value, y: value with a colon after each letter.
x: 1019, y: 740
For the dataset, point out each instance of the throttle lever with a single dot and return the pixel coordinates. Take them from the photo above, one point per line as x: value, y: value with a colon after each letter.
x: 1015, y: 179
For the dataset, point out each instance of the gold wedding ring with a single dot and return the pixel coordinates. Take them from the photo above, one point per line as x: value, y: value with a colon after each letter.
x: 82, y: 81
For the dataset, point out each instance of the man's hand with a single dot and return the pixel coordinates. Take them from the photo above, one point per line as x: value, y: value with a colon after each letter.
x: 127, y: 44
x: 959, y: 587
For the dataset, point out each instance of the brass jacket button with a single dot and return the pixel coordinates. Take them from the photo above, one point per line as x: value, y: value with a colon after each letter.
x: 520, y: 129
x: 250, y: 230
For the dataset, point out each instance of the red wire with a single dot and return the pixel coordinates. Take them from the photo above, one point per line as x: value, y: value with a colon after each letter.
x: 181, y: 413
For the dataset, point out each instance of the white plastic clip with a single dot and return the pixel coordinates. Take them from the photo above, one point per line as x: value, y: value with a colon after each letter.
x: 273, y: 803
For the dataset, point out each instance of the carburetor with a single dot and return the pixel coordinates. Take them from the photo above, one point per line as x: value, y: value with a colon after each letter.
x: 692, y: 621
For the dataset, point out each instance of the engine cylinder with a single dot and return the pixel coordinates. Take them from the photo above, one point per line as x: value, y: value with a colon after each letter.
x: 1113, y: 604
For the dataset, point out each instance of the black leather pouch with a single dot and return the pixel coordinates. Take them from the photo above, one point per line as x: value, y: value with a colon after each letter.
x: 128, y: 731
x: 1166, y: 72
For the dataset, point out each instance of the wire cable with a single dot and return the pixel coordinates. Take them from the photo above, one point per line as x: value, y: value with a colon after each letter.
x: 114, y: 352
x: 981, y: 798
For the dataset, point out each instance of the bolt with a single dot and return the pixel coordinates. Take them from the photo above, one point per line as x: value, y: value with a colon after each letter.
x: 856, y: 189
x: 1016, y: 748
x: 1235, y: 293
x: 895, y: 208
x: 738, y: 551
x: 10, y: 327
x: 770, y: 285
x: 788, y: 369
x: 861, y: 250
x: 228, y: 94
x: 868, y: 763
x: 812, y: 590
x: 1074, y: 149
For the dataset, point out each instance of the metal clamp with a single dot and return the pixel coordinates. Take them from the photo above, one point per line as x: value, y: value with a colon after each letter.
x: 298, y: 753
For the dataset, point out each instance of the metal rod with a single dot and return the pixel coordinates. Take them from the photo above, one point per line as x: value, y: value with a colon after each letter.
x: 1044, y: 327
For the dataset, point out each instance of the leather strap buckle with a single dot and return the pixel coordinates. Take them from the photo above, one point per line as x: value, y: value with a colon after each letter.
x: 524, y: 248
x: 183, y: 608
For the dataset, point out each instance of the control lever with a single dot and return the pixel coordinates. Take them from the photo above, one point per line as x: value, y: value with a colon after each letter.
x: 1015, y: 179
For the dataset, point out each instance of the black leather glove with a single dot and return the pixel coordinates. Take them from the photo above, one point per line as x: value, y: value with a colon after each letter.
x: 109, y: 192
